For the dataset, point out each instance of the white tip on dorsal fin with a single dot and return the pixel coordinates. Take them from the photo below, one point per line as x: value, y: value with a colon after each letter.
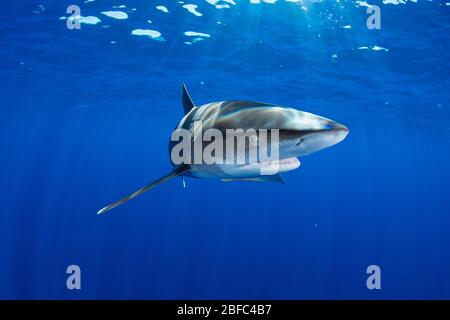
x: 188, y: 104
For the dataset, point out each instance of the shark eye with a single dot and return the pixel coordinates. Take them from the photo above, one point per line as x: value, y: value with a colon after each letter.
x: 300, y: 141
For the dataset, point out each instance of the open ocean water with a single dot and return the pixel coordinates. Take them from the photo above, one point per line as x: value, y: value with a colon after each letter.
x: 86, y: 116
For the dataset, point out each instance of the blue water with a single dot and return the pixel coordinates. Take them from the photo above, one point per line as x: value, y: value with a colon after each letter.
x: 85, y: 121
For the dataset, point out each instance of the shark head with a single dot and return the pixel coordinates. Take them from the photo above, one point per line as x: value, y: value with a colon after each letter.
x: 308, y: 133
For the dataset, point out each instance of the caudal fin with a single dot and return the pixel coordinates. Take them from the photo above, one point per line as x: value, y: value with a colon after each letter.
x: 173, y: 174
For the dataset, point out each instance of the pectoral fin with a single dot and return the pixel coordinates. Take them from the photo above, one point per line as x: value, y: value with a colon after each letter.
x: 177, y: 172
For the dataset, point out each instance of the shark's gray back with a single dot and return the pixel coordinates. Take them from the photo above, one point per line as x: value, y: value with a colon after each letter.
x: 246, y: 115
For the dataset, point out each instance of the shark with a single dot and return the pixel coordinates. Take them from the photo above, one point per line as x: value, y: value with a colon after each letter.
x: 299, y: 133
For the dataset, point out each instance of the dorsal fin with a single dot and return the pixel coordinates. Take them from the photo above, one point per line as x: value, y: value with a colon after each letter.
x: 187, y: 101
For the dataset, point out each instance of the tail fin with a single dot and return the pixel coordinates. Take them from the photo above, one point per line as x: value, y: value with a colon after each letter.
x: 173, y: 174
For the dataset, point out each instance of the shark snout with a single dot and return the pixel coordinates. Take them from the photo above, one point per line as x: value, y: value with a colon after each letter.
x: 335, y: 132
x: 321, y: 124
x: 338, y: 126
x: 338, y: 131
x: 334, y: 126
x: 322, y: 136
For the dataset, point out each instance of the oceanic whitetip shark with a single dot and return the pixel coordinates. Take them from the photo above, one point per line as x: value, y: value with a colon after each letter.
x: 298, y: 134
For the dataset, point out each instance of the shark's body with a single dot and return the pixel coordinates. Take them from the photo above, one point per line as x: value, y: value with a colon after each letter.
x: 300, y: 133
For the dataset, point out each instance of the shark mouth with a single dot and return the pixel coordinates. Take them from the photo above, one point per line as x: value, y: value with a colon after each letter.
x: 282, y: 165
